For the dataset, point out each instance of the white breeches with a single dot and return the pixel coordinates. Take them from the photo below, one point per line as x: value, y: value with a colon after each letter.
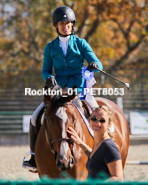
x: 92, y: 103
x: 36, y: 112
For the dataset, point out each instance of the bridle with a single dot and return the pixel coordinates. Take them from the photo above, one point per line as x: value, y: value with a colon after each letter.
x: 46, y: 119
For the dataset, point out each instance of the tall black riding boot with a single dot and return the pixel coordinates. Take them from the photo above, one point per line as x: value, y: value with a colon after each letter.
x: 32, y: 140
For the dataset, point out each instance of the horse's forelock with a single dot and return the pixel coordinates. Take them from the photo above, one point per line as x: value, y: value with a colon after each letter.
x: 57, y: 99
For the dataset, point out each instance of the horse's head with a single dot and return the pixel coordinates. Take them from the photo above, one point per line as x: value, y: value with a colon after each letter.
x: 58, y: 117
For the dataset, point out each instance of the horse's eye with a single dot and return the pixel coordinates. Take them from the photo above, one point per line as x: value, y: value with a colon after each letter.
x: 68, y: 135
x: 74, y: 124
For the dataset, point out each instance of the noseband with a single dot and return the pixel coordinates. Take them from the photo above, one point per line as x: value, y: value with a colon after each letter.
x: 59, y: 139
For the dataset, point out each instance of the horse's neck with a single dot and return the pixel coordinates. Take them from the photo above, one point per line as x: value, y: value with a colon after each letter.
x: 82, y: 130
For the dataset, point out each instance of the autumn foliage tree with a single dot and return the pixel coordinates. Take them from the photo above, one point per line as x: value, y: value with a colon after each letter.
x: 116, y: 30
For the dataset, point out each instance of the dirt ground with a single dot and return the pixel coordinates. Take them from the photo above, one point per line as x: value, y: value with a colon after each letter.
x: 11, y: 158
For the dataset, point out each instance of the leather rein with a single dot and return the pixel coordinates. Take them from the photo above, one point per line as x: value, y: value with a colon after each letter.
x: 47, y: 134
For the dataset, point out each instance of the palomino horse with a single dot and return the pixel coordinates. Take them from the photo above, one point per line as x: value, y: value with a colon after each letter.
x: 55, y: 151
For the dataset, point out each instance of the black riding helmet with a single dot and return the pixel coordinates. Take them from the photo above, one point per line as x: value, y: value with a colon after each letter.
x: 63, y: 13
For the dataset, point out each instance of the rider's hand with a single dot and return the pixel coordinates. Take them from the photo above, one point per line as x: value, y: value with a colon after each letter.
x: 50, y: 82
x: 93, y: 65
x: 74, y: 136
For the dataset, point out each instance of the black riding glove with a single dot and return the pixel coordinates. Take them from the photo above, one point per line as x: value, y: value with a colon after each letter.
x: 50, y: 82
x: 93, y: 65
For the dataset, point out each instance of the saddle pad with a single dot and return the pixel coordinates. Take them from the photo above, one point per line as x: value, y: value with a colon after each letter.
x: 85, y: 120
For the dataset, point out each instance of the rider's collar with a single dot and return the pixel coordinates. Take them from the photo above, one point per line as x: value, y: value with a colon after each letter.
x: 64, y: 39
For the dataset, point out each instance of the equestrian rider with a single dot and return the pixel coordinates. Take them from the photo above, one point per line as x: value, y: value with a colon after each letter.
x: 66, y: 54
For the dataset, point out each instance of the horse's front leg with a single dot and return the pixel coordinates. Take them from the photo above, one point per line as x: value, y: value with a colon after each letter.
x: 80, y: 164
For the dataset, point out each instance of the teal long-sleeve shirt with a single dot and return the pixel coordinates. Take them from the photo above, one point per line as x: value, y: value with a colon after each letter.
x: 68, y: 68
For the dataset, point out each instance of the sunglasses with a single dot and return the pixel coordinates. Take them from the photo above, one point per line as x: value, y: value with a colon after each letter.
x: 94, y: 118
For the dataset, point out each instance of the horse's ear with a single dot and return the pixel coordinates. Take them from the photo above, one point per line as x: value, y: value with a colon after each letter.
x: 72, y: 93
x: 47, y: 98
x: 74, y: 86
